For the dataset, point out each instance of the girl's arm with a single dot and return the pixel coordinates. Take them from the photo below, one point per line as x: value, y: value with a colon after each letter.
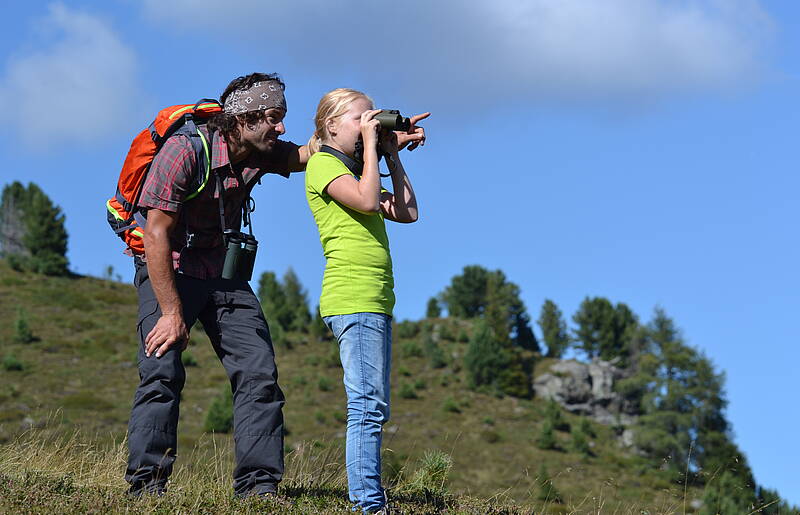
x: 363, y: 195
x: 400, y: 206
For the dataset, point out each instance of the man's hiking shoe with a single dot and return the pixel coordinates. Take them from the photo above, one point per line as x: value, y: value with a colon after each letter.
x: 142, y: 489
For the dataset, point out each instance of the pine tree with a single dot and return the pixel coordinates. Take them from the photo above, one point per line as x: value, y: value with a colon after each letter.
x: 466, y: 295
x: 220, y: 415
x: 273, y: 303
x: 554, y: 329
x: 604, y: 330
x: 547, y: 438
x: 318, y: 329
x: 683, y: 405
x: 485, y: 358
x: 547, y: 490
x: 296, y: 316
x: 12, y: 224
x: 433, y: 310
x: 726, y: 496
x: 32, y: 230
x: 433, y: 351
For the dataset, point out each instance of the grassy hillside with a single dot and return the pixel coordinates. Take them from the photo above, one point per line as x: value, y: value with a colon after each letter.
x: 80, y: 373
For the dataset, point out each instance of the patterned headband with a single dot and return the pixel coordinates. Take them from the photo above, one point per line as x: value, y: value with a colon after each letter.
x: 261, y: 95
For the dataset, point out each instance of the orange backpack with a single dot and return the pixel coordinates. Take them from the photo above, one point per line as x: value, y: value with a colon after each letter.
x: 124, y: 215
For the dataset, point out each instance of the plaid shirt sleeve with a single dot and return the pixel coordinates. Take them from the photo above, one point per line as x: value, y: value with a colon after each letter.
x: 170, y: 175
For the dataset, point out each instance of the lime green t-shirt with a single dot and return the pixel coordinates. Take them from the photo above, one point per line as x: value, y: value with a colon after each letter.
x: 358, y: 271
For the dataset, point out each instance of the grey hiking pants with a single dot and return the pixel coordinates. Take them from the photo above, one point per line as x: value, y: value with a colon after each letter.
x: 232, y: 318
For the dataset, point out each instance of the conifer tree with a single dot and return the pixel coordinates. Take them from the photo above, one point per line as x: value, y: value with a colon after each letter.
x: 433, y: 309
x: 683, y: 405
x: 296, y: 316
x: 554, y: 329
x: 465, y: 297
x: 273, y: 299
x: 546, y: 439
x: 604, y: 330
x: 485, y: 357
x: 725, y: 495
x: 32, y: 230
x: 318, y: 329
x: 547, y: 490
x: 220, y: 414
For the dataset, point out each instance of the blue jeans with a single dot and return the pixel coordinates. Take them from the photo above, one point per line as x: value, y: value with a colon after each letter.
x: 365, y: 348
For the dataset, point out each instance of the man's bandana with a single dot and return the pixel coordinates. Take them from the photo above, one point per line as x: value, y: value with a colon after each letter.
x: 260, y: 96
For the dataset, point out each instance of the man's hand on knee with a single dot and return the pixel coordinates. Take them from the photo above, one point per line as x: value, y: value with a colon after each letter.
x: 168, y: 331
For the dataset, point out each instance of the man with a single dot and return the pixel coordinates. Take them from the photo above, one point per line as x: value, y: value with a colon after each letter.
x: 178, y: 280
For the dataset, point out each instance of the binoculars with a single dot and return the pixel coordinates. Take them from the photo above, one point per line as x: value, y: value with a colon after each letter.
x: 392, y: 119
x: 240, y: 255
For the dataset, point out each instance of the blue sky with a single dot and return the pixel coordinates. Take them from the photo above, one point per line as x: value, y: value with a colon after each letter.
x: 642, y: 151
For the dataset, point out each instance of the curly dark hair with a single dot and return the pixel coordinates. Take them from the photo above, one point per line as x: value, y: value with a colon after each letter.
x: 228, y: 124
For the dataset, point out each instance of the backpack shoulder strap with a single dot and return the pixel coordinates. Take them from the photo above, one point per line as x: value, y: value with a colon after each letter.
x: 202, y: 150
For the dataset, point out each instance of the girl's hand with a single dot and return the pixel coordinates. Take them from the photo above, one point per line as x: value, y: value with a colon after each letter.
x: 415, y: 135
x: 369, y: 128
x: 388, y: 141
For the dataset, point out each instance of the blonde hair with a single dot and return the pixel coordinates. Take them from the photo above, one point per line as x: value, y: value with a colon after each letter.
x: 332, y: 105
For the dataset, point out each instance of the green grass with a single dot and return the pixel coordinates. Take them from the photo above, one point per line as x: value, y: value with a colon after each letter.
x: 80, y: 374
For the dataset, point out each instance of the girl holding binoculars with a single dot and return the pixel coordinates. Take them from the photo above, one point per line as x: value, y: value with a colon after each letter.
x: 350, y: 207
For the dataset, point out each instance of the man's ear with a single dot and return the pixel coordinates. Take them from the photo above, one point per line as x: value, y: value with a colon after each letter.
x: 242, y: 124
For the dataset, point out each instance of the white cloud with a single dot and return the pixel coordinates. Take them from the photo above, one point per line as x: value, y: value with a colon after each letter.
x: 471, y: 53
x: 78, y: 85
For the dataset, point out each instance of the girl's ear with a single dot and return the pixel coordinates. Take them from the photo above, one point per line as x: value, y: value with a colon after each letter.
x: 330, y: 125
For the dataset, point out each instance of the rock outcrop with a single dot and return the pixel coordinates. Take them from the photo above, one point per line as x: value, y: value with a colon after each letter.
x: 586, y: 389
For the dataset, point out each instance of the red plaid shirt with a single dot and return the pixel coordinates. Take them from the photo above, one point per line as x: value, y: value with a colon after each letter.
x: 171, y: 178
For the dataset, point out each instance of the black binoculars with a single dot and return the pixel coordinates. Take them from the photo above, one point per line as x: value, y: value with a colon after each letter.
x: 240, y: 255
x: 392, y: 119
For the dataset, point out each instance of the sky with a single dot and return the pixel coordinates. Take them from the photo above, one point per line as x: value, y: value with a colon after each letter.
x: 640, y: 150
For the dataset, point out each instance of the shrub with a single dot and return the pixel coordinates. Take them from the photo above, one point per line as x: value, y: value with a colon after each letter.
x: 324, y: 384
x: 188, y: 359
x: 586, y: 428
x: 12, y: 364
x: 407, y: 392
x: 411, y: 350
x: 319, y: 416
x: 554, y: 414
x: 407, y: 329
x: 489, y: 421
x: 547, y: 438
x: 434, y: 352
x: 220, y: 414
x: 419, y: 384
x: 299, y: 380
x: 22, y: 330
x: 331, y: 358
x: 451, y: 406
x: 490, y: 436
x: 340, y: 416
x: 579, y: 442
x: 403, y: 371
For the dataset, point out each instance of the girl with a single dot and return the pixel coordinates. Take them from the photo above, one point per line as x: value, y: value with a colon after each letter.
x: 349, y: 206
